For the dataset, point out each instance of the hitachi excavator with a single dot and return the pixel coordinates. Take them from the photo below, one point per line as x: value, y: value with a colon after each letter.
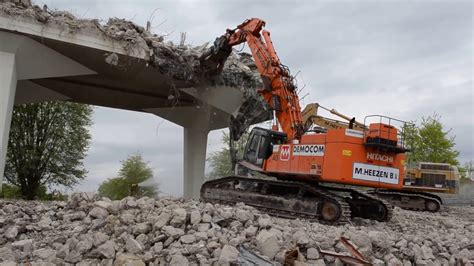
x: 303, y: 174
x: 421, y: 181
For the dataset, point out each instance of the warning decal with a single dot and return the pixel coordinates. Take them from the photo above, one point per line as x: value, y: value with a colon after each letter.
x: 276, y: 148
x: 354, y: 133
x: 369, y: 172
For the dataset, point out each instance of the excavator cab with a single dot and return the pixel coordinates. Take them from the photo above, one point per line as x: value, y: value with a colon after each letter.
x: 260, y: 145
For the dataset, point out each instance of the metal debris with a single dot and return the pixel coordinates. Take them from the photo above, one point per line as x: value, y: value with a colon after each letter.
x: 345, y: 258
x: 225, y: 222
x: 357, y: 259
x: 352, y: 249
x: 291, y: 256
x: 249, y: 258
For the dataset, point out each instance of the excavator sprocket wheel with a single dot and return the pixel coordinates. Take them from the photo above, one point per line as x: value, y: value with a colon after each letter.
x: 330, y: 212
x: 432, y: 206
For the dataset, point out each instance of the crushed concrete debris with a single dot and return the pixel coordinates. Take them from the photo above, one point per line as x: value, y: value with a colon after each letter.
x: 180, y: 62
x: 112, y: 59
x: 148, y: 231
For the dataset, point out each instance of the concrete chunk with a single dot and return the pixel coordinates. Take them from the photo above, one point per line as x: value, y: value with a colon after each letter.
x: 133, y: 246
x: 107, y: 250
x: 98, y: 212
x: 179, y: 217
x: 268, y: 242
x: 229, y: 254
x: 179, y: 260
x: 128, y: 260
x: 11, y: 232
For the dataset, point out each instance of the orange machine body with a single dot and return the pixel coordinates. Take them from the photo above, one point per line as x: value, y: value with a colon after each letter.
x: 338, y: 156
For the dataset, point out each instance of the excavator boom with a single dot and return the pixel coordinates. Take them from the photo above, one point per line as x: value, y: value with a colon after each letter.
x: 279, y: 89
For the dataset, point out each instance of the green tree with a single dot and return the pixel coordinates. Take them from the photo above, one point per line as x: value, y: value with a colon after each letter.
x: 47, y: 144
x: 221, y: 161
x: 430, y: 142
x: 11, y: 191
x: 134, y: 173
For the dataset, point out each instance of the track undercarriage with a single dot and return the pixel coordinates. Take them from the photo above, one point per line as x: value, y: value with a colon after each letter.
x: 417, y: 201
x: 291, y: 199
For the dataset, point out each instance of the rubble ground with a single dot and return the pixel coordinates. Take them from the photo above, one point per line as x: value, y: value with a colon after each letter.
x: 88, y: 230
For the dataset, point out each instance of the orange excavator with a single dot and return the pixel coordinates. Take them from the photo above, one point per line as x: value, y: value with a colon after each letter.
x: 298, y: 173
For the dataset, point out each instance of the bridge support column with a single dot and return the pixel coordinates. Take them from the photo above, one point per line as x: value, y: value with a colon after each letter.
x: 195, y: 144
x: 8, y: 81
x: 23, y: 59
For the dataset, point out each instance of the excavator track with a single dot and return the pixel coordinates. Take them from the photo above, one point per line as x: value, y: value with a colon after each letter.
x: 290, y: 199
x: 286, y: 199
x: 416, y: 201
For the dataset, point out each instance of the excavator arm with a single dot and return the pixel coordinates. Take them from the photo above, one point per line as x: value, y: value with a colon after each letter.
x: 279, y: 89
x: 311, y: 117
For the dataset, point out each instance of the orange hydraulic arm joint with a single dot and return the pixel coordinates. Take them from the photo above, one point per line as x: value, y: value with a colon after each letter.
x: 279, y: 88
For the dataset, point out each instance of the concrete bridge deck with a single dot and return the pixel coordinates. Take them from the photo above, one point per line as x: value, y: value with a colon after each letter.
x: 50, y: 55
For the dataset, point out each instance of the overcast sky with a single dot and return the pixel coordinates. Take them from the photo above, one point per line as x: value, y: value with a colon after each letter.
x: 404, y: 59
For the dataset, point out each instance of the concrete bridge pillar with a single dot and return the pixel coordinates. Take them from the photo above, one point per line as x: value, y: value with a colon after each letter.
x: 8, y: 80
x: 195, y: 144
x: 22, y: 60
x: 197, y: 122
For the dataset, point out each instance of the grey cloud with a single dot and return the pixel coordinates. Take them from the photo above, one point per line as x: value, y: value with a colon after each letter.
x: 344, y: 47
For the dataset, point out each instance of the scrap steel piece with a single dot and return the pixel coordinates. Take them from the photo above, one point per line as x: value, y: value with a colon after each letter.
x: 352, y: 249
x: 357, y: 259
x: 345, y: 258
x: 290, y: 257
x: 249, y: 258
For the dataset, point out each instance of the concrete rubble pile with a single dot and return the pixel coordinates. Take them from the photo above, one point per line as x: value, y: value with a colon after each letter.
x: 90, y: 231
x: 180, y: 62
